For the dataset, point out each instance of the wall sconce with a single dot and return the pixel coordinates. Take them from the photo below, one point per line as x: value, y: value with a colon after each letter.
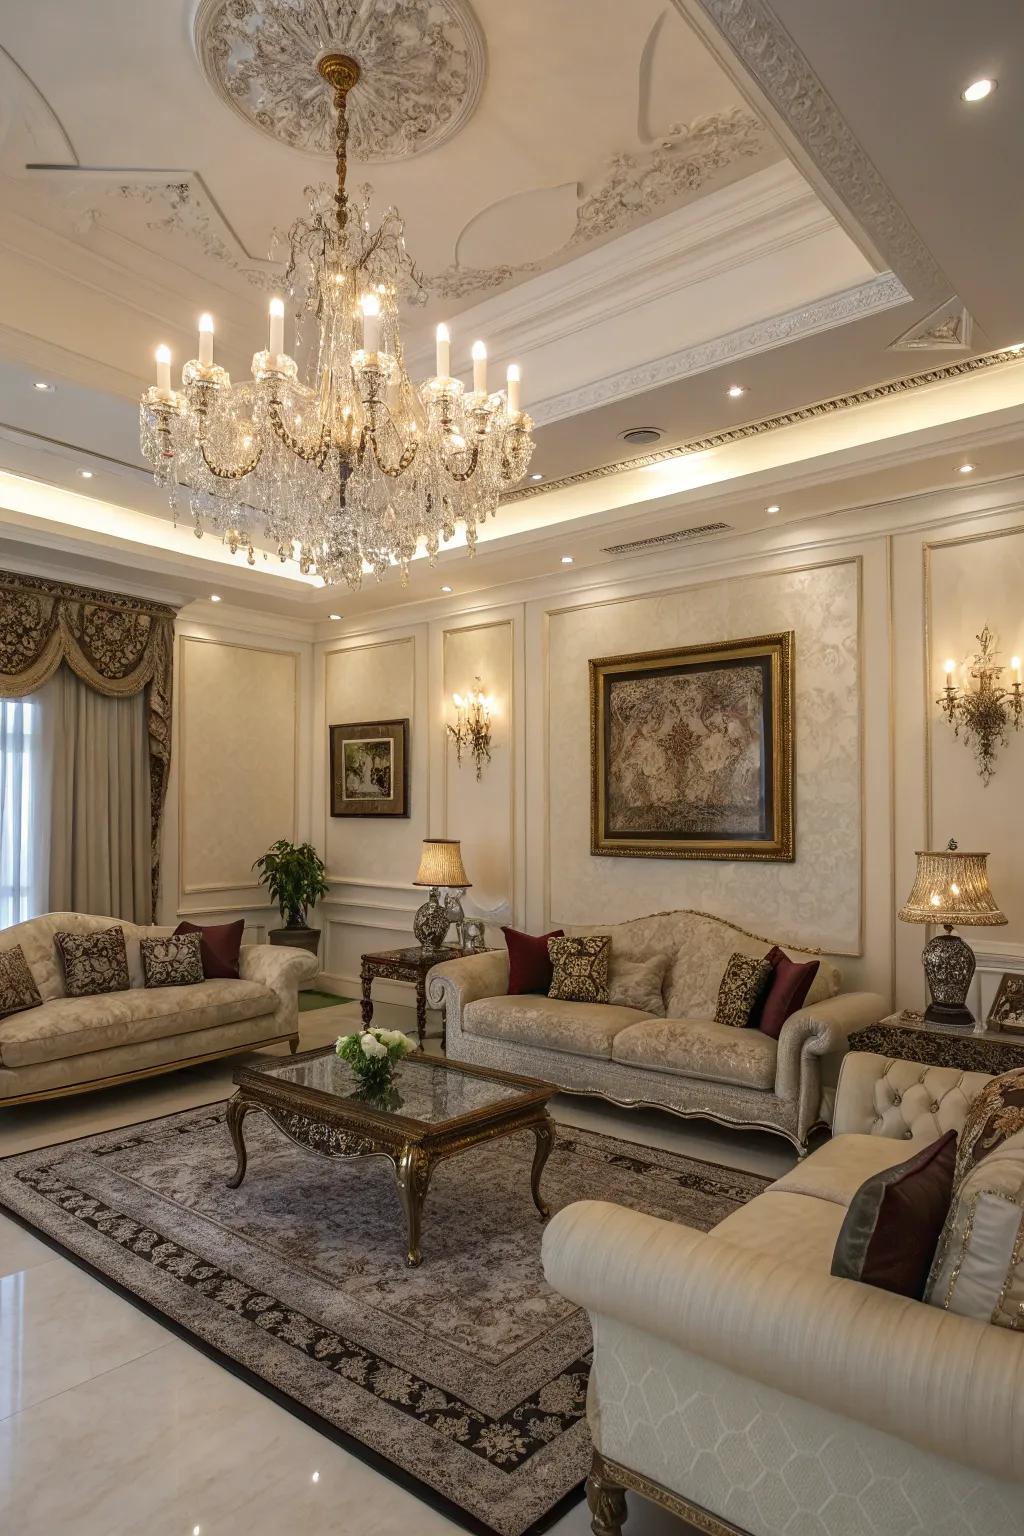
x: 472, y: 728
x: 985, y: 713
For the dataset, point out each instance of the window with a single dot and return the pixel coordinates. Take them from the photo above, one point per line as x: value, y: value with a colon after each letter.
x: 21, y: 895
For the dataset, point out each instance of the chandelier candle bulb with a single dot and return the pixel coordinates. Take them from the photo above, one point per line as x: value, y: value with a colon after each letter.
x: 479, y: 368
x: 444, y: 352
x: 206, y: 341
x: 163, y: 372
x: 1015, y: 665
x: 512, y: 382
x: 370, y: 305
x: 276, y: 346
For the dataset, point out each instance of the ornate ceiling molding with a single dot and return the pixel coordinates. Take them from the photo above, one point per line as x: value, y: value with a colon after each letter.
x: 422, y: 61
x: 884, y: 391
x: 633, y: 187
x: 947, y: 329
x: 758, y: 39
x: 878, y: 293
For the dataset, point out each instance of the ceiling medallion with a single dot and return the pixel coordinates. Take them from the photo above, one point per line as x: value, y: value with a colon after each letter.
x: 421, y: 69
x: 349, y: 468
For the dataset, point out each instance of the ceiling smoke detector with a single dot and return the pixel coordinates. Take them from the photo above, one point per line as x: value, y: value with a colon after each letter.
x: 641, y: 437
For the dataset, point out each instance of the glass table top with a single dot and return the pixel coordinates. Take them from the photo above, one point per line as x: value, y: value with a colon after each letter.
x: 430, y: 1092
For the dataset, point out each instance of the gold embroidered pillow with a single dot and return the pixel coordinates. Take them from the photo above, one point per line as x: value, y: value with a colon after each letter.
x: 176, y: 961
x: 744, y: 982
x: 93, y: 962
x: 18, y: 989
x: 580, y: 968
x: 978, y: 1268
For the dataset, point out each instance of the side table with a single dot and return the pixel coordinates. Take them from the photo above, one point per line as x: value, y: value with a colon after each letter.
x: 909, y: 1037
x: 403, y: 965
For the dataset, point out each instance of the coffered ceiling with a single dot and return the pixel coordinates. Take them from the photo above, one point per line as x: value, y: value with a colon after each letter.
x: 643, y: 205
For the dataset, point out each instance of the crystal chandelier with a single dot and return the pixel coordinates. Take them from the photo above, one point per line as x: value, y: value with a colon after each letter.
x: 351, y: 468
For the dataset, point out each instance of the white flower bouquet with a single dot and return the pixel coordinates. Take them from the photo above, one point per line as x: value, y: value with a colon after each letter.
x: 372, y: 1055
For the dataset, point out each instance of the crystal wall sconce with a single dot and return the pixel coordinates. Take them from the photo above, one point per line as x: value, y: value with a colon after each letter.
x: 472, y: 729
x: 986, y: 712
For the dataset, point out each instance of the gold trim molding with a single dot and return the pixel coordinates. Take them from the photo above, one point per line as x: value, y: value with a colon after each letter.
x: 890, y: 389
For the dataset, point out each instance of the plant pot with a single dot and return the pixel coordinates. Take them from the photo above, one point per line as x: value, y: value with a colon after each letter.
x: 296, y: 938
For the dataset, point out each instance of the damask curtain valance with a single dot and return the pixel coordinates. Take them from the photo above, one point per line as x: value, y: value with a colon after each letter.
x: 117, y: 645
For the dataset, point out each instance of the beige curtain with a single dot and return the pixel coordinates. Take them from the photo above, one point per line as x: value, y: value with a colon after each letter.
x: 119, y: 652
x: 97, y: 764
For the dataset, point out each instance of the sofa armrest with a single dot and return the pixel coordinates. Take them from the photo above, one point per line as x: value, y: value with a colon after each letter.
x: 947, y: 1384
x: 454, y: 983
x: 887, y: 1096
x: 276, y: 966
x: 822, y: 1029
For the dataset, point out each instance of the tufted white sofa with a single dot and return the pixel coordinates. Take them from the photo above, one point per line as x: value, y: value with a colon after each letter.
x: 737, y: 1383
x: 683, y: 1062
x: 73, y: 1044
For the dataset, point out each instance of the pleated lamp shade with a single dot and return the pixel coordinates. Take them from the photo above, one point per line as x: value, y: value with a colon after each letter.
x: 952, y: 888
x: 441, y: 864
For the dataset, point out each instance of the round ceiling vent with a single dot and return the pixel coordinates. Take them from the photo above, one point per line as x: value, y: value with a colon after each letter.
x: 641, y: 437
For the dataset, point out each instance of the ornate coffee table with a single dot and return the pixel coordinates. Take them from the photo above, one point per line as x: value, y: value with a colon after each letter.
x: 434, y: 1110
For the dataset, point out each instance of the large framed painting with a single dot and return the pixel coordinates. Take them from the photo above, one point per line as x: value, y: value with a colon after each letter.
x: 692, y: 752
x: 370, y: 769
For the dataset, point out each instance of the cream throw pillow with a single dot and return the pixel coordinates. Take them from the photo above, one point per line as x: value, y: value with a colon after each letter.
x: 637, y: 983
x: 978, y: 1270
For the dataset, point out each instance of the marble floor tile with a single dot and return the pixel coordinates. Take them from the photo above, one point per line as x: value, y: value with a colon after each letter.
x: 19, y: 1249
x: 59, y: 1327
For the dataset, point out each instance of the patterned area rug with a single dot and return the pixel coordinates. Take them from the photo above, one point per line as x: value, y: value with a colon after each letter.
x: 464, y: 1379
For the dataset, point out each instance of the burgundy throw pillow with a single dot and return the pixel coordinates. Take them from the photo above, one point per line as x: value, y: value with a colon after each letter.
x: 529, y: 964
x: 892, y: 1227
x: 785, y: 992
x: 220, y: 944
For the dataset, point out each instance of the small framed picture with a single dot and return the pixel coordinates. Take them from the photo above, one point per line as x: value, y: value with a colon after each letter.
x: 370, y: 768
x: 1007, y: 1011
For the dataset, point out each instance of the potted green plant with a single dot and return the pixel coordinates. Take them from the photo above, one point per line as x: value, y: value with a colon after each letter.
x: 296, y: 877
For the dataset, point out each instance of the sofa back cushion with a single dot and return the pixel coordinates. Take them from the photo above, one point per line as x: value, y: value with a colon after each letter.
x: 698, y: 947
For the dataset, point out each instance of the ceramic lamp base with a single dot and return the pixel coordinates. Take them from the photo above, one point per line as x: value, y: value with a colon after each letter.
x: 431, y: 923
x: 949, y: 967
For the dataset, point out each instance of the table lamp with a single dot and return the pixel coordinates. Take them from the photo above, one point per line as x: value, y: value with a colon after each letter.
x: 441, y: 867
x: 950, y: 887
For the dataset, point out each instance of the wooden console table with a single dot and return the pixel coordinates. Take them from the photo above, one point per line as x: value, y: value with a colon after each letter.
x: 910, y: 1037
x: 403, y: 965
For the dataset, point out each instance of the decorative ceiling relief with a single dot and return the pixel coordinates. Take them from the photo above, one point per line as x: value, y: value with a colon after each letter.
x: 946, y: 329
x: 634, y: 187
x: 422, y: 64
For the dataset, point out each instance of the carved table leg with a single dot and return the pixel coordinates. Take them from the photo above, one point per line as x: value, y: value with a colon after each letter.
x: 412, y: 1174
x: 606, y: 1501
x: 421, y: 1010
x: 545, y: 1136
x: 237, y: 1111
x: 366, y: 1006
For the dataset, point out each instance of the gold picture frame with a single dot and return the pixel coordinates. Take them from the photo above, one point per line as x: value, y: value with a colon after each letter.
x: 724, y: 707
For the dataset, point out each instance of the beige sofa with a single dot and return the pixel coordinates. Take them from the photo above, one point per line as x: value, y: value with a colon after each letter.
x: 71, y: 1044
x: 737, y: 1383
x: 684, y: 1062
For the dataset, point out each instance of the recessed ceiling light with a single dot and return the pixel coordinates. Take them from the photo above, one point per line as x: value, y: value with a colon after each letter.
x: 85, y: 474
x: 965, y: 469
x: 316, y: 1477
x: 735, y: 390
x: 214, y: 597
x: 536, y: 477
x: 567, y: 559
x: 334, y: 615
x: 638, y: 437
x: 978, y: 90
x: 43, y: 387
x: 446, y: 589
x: 773, y: 509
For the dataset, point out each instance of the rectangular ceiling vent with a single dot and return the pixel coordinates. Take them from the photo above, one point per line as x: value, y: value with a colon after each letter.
x: 661, y: 540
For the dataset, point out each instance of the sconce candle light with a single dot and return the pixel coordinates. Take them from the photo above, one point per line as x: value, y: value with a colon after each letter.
x: 985, y: 713
x: 472, y: 728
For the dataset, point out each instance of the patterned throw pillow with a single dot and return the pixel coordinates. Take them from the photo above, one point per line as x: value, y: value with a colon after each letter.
x: 18, y: 989
x: 997, y: 1112
x: 173, y: 962
x: 93, y: 962
x: 637, y: 984
x: 979, y: 1263
x: 580, y: 968
x: 745, y: 979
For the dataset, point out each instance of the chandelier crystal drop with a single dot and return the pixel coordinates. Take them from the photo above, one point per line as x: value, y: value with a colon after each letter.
x: 350, y: 468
